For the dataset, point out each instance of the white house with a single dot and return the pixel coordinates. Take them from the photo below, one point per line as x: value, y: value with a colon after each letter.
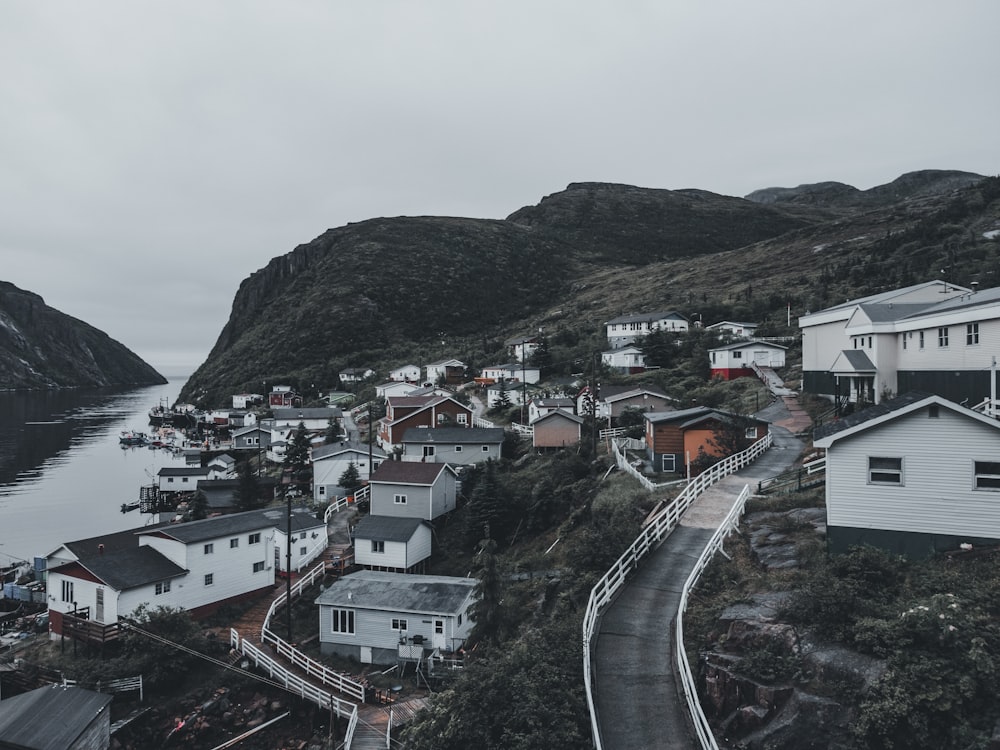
x: 196, y: 566
x: 181, y: 478
x: 329, y: 462
x: 934, y: 337
x: 405, y: 374
x: 539, y: 407
x: 413, y: 490
x: 395, y: 388
x: 396, y: 545
x: 627, y: 359
x: 511, y: 371
x: 445, y: 370
x: 733, y: 328
x: 915, y: 474
x: 736, y: 360
x: 626, y: 329
x: 453, y: 445
x: 377, y: 617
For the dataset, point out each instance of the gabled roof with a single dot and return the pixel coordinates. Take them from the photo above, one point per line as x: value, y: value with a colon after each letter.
x: 408, y: 472
x: 851, y: 361
x: 128, y: 568
x: 558, y: 414
x: 441, y: 435
x: 825, y: 435
x: 331, y: 450
x: 49, y: 718
x: 387, y: 528
x: 238, y: 523
x: 689, y: 417
x: 399, y: 592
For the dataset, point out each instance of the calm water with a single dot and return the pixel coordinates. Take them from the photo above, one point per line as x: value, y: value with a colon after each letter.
x: 63, y: 474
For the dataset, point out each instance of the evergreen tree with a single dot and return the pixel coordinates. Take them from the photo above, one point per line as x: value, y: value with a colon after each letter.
x: 297, y: 457
x: 350, y: 480
x: 248, y: 487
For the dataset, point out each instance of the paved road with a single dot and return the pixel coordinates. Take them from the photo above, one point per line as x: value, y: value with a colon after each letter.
x: 637, y: 698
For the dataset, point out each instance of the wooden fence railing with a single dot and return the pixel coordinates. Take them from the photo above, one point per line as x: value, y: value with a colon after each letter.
x: 295, y: 684
x: 651, y: 536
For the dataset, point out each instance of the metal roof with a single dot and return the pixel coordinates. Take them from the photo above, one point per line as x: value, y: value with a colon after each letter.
x: 50, y: 718
x: 399, y: 592
x: 387, y: 528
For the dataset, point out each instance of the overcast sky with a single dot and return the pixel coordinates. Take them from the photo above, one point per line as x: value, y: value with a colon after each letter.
x: 154, y: 155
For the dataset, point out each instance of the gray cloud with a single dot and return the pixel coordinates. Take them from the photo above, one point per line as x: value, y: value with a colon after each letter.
x: 156, y: 155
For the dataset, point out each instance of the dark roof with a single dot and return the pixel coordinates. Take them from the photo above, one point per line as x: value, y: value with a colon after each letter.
x: 182, y: 471
x: 131, y: 568
x: 872, y: 412
x: 239, y: 523
x: 408, y: 472
x: 387, y: 528
x: 858, y: 360
x: 50, y: 718
x: 399, y: 592
x: 453, y: 435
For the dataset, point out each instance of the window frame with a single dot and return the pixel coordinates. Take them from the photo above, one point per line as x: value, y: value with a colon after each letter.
x: 342, y: 621
x: 885, y: 471
x: 992, y: 475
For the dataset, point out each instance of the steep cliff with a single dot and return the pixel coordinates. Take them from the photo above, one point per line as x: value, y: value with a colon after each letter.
x: 41, y: 347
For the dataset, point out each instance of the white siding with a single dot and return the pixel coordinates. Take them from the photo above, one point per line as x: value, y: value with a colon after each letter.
x: 937, y: 495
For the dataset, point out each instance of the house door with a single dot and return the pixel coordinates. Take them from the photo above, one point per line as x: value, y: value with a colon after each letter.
x: 99, y: 608
x: 438, y: 640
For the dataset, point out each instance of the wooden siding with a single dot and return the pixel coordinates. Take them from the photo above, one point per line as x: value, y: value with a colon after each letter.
x: 937, y: 495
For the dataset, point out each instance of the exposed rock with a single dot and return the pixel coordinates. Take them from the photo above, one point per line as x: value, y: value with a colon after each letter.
x: 41, y: 347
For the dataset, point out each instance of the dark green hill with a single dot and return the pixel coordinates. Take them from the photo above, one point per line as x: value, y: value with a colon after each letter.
x: 383, y: 292
x: 41, y: 347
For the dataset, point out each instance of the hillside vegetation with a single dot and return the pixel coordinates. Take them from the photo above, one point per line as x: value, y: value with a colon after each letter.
x: 388, y: 291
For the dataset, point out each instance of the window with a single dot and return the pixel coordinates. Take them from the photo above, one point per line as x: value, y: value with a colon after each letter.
x: 254, y: 538
x: 428, y: 451
x: 209, y: 548
x: 458, y: 449
x: 751, y: 432
x: 921, y: 339
x: 162, y: 588
x: 942, y: 337
x: 398, y: 624
x: 378, y: 546
x: 972, y: 334
x: 67, y: 591
x: 885, y: 470
x: 209, y: 579
x: 462, y: 418
x: 234, y: 543
x: 258, y: 566
x: 399, y: 499
x: 987, y: 475
x: 342, y: 621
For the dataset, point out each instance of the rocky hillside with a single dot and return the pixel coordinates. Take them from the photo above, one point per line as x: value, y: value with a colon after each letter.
x: 41, y: 347
x: 385, y: 291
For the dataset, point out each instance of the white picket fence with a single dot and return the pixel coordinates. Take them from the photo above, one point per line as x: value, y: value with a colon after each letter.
x: 295, y: 684
x: 340, y: 683
x: 651, y: 536
x: 731, y: 522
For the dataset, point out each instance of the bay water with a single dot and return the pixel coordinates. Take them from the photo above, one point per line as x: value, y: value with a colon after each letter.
x: 63, y: 473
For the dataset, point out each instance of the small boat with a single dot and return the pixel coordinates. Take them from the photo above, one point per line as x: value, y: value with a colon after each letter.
x: 131, y: 438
